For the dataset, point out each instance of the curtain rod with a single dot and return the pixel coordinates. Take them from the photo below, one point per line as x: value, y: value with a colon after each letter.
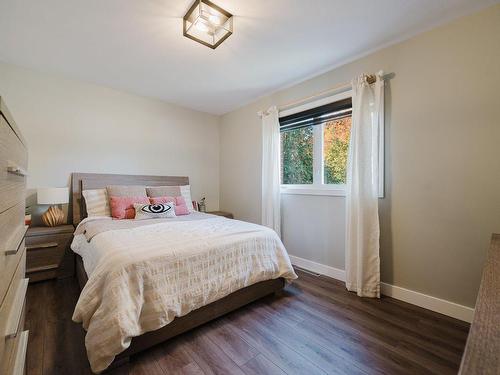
x: 371, y: 78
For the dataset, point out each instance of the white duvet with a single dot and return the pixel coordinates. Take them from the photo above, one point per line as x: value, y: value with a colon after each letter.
x: 140, y: 279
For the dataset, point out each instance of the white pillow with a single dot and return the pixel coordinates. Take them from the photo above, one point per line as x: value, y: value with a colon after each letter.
x: 154, y: 211
x: 186, y: 194
x: 96, y: 201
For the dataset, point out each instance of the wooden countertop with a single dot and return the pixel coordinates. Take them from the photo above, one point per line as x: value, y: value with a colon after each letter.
x: 482, y: 351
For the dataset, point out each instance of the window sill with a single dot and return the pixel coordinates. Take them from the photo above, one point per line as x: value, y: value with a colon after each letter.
x: 334, y: 191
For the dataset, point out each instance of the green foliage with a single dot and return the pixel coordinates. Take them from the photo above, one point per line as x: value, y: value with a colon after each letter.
x: 335, y: 149
x: 297, y: 156
x: 336, y: 162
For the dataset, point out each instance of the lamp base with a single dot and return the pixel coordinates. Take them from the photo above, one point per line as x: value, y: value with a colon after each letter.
x: 53, y: 217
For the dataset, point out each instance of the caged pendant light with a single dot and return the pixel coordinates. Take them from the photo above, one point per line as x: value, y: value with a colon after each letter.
x: 207, y: 23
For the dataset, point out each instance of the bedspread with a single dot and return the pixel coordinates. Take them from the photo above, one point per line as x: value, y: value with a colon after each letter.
x: 154, y: 273
x: 91, y: 227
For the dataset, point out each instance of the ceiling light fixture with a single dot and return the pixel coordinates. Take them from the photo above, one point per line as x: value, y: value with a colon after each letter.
x: 207, y: 23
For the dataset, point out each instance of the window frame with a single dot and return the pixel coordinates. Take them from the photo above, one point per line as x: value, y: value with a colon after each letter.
x: 318, y: 187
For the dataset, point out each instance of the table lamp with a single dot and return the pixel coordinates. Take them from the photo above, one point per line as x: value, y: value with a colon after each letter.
x: 54, y: 196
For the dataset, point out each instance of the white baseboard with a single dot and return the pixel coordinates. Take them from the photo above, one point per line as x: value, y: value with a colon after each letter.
x: 415, y: 298
x: 309, y: 265
x: 428, y: 302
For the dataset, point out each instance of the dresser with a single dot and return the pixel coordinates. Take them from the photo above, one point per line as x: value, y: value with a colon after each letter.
x: 482, y: 351
x: 13, y: 284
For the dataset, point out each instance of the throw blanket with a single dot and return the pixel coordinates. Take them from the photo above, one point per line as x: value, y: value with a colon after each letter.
x: 91, y: 227
x: 153, y: 273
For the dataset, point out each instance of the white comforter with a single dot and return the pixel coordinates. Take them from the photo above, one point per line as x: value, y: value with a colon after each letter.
x: 142, y: 278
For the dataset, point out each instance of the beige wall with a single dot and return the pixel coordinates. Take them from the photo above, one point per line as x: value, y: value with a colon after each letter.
x: 72, y: 126
x: 442, y: 161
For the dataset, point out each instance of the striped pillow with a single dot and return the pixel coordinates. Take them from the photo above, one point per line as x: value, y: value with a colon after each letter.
x: 96, y: 201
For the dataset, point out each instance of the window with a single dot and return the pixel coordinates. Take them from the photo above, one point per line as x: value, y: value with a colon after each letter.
x: 314, y: 147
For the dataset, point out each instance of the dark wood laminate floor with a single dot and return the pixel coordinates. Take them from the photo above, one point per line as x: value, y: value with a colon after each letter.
x: 314, y: 327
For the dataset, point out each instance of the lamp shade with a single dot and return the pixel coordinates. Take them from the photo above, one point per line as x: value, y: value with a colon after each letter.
x: 52, y: 195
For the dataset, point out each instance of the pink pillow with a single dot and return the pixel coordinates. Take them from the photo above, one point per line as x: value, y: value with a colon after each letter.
x: 180, y: 207
x: 123, y: 207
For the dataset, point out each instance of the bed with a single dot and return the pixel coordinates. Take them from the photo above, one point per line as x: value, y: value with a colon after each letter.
x: 143, y: 283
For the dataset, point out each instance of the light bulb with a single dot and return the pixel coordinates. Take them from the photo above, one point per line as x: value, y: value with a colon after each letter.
x: 214, y: 19
x: 200, y: 25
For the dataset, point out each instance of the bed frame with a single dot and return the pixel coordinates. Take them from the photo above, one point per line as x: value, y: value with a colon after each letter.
x: 83, y: 181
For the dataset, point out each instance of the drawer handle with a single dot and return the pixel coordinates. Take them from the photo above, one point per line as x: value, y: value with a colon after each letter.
x: 14, y: 317
x: 42, y: 246
x: 16, y: 365
x: 42, y: 268
x: 16, y: 169
x: 16, y: 240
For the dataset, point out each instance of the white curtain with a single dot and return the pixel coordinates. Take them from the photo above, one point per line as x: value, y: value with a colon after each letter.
x: 362, y: 221
x: 271, y: 216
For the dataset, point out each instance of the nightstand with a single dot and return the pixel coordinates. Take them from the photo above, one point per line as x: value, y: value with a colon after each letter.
x: 222, y: 213
x: 48, y: 255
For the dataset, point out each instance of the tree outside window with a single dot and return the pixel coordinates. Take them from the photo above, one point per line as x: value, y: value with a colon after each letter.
x: 297, y: 152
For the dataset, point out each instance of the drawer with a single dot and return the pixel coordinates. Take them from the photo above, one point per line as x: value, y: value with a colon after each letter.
x: 10, y: 264
x: 36, y: 243
x: 11, y: 312
x: 13, y: 155
x: 5, y: 113
x: 10, y: 223
x: 11, y: 231
x: 14, y: 365
x: 40, y: 258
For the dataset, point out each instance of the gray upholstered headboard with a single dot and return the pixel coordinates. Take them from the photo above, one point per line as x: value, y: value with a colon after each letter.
x: 84, y: 181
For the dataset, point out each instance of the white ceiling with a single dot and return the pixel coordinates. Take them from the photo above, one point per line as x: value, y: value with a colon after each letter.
x: 137, y: 45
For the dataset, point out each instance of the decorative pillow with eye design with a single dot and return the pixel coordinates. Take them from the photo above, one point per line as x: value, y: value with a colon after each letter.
x: 154, y: 211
